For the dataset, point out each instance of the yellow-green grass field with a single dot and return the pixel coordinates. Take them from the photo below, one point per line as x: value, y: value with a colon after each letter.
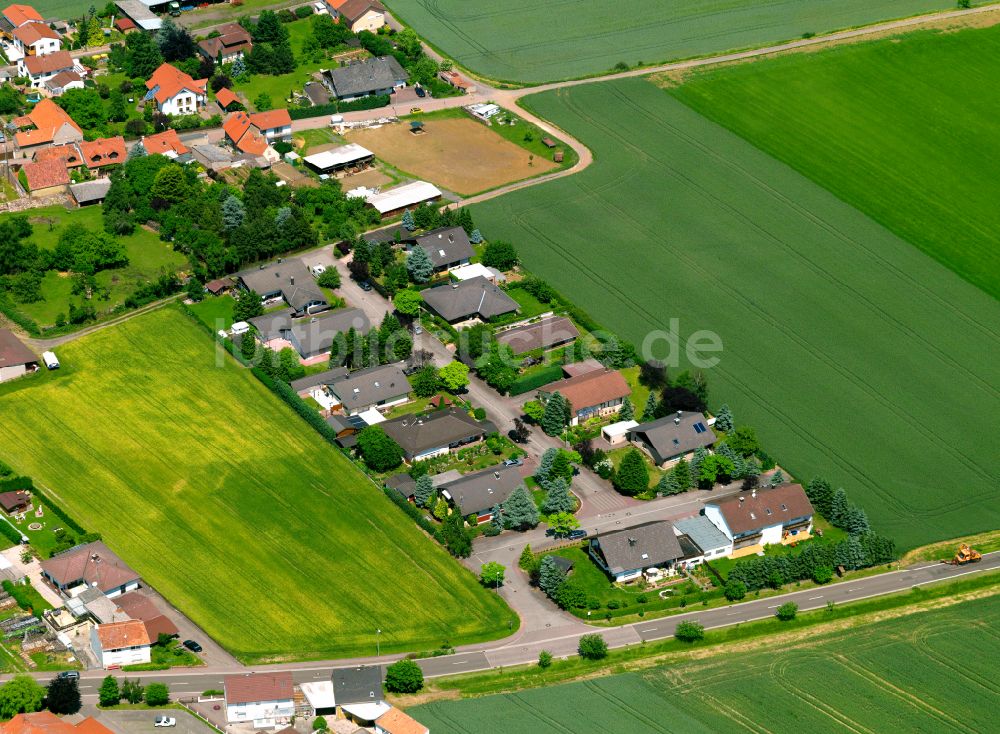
x: 906, y: 129
x: 928, y: 672
x: 230, y: 505
x: 854, y: 355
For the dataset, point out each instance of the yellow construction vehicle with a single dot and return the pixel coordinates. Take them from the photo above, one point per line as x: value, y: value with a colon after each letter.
x: 965, y: 555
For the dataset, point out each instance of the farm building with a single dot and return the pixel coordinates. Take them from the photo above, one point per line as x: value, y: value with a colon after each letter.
x: 394, y: 201
x: 447, y: 247
x: 88, y: 193
x: 381, y: 386
x: 624, y: 554
x: 545, y: 334
x: 435, y: 434
x: 669, y: 439
x: 233, y: 42
x: 263, y: 699
x: 15, y: 358
x: 763, y: 517
x: 91, y: 565
x: 593, y: 394
x: 473, y: 298
x: 350, y: 156
x: 477, y: 493
x: 458, y: 81
x: 310, y: 337
x: 381, y: 75
x: 140, y: 14
x: 121, y: 643
x: 287, y: 280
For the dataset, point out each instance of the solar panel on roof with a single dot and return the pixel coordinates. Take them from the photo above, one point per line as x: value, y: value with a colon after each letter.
x: 699, y: 428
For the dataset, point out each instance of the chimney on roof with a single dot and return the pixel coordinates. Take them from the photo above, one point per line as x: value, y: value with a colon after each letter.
x: 678, y: 414
x: 451, y: 237
x: 632, y: 541
x: 291, y: 280
x: 677, y: 421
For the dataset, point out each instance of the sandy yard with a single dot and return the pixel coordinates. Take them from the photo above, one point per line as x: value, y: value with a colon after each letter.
x: 461, y: 155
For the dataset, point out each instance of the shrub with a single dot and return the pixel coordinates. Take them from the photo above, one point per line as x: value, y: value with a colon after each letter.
x: 157, y: 694
x: 319, y: 723
x: 787, y: 611
x: 404, y: 676
x: 735, y: 590
x: 303, y: 11
x: 592, y: 647
x: 479, y: 414
x: 689, y: 632
x: 822, y: 574
x: 544, y: 659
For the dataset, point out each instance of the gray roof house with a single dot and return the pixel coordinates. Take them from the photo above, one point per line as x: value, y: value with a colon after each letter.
x: 468, y: 298
x: 435, y: 434
x: 625, y: 553
x: 477, y: 493
x: 360, y: 684
x: 308, y: 382
x: 711, y: 542
x: 377, y: 386
x: 672, y: 437
x: 380, y: 75
x: 290, y: 280
x: 313, y: 336
x: 447, y: 247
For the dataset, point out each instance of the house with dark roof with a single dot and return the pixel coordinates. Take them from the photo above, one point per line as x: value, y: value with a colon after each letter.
x: 311, y: 383
x: 87, y: 193
x: 287, y: 280
x: 545, y: 334
x: 477, y: 493
x: 447, y: 247
x: 139, y: 606
x: 673, y: 437
x: 624, y: 554
x: 593, y: 394
x: 360, y: 15
x: 91, y: 565
x: 380, y: 75
x: 15, y: 501
x: 310, y: 337
x: 263, y: 699
x: 233, y: 42
x: 63, y: 82
x: 711, y: 542
x: 762, y: 517
x: 358, y: 692
x: 468, y: 299
x: 435, y: 434
x: 381, y: 386
x: 16, y: 359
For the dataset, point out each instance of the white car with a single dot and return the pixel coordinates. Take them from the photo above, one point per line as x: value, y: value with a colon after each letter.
x: 318, y: 270
x: 165, y: 721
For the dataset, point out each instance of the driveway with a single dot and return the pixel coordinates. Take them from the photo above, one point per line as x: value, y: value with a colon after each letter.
x: 212, y: 652
x: 33, y: 570
x: 129, y: 722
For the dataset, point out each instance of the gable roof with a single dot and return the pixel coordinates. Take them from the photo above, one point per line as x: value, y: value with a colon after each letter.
x: 395, y: 721
x: 232, y: 38
x: 30, y: 33
x: 676, y: 434
x: 256, y: 687
x: 271, y: 119
x: 68, y: 153
x: 94, y: 563
x: 320, y: 378
x: 761, y: 508
x: 406, y: 195
x: 12, y: 351
x: 360, y: 684
x: 353, y: 10
x: 168, y: 81
x: 226, y: 97
x: 371, y: 386
x: 47, y: 117
x: 540, y: 335
x: 472, y: 297
x: 164, y: 143
x: 42, y: 174
x: 125, y: 24
x: 87, y: 192
x: 364, y: 77
x: 246, y: 136
x: 446, y: 245
x: 104, y: 152
x: 313, y: 335
x: 291, y: 278
x: 18, y: 15
x: 61, y: 79
x: 640, y: 546
x: 479, y: 491
x: 116, y: 635
x: 417, y: 434
x: 45, y: 722
x: 590, y: 388
x: 703, y: 533
x: 48, y: 63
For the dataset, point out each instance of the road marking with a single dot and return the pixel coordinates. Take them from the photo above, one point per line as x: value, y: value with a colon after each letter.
x: 651, y: 629
x: 814, y: 598
x: 773, y: 606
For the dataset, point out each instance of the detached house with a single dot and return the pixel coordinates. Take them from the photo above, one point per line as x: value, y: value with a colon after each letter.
x: 624, y: 554
x: 40, y: 69
x: 99, y: 154
x: 253, y: 134
x: 121, y: 643
x: 233, y: 42
x: 16, y: 360
x: 289, y: 281
x: 263, y: 699
x: 313, y: 337
x: 593, y: 394
x: 47, y: 177
x: 46, y: 124
x: 381, y: 386
x: 468, y: 299
x: 447, y: 247
x: 34, y: 39
x: 167, y: 143
x: 381, y: 75
x: 669, y: 439
x: 174, y: 92
x: 359, y: 15
x: 477, y: 493
x: 92, y: 565
x: 15, y: 16
x: 763, y: 517
x: 435, y: 434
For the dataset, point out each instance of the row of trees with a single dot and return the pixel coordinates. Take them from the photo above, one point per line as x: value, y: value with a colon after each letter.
x: 112, y: 692
x: 22, y: 694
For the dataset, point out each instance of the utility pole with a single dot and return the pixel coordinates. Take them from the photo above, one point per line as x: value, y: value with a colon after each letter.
x: 378, y: 645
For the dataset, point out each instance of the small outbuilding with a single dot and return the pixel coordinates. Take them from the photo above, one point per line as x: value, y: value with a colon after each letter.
x: 16, y: 359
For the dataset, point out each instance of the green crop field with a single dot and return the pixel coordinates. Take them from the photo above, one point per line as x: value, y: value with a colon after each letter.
x: 64, y: 9
x: 229, y: 504
x: 855, y: 355
x: 523, y: 41
x: 928, y: 672
x: 905, y: 129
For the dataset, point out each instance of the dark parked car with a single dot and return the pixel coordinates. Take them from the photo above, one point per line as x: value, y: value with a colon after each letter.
x: 513, y: 462
x: 69, y: 675
x: 365, y: 285
x: 577, y: 534
x: 192, y: 645
x: 420, y: 92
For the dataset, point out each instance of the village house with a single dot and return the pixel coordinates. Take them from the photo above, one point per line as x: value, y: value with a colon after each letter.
x: 33, y: 39
x: 381, y: 386
x: 15, y: 16
x: 477, y: 493
x: 121, y: 643
x: 16, y: 359
x: 674, y: 437
x: 39, y: 69
x: 358, y: 693
x: 314, y: 386
x: 253, y: 134
x: 62, y: 83
x: 137, y: 605
x: 447, y: 247
x: 594, y: 394
x: 100, y: 154
x: 226, y: 99
x: 233, y: 42
x: 167, y: 143
x: 468, y: 299
x: 435, y: 434
x: 262, y: 699
x: 46, y: 124
x: 312, y: 337
x: 92, y: 565
x: 287, y: 280
x: 174, y: 92
x: 624, y: 554
x: 711, y: 542
x: 46, y: 722
x: 396, y: 200
x: 548, y: 333
x: 46, y: 177
x: 761, y: 517
x: 380, y: 75
x: 360, y: 15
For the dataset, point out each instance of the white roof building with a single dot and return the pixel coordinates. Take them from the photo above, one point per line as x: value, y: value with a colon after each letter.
x: 404, y: 196
x: 338, y: 157
x: 616, y: 433
x: 476, y: 270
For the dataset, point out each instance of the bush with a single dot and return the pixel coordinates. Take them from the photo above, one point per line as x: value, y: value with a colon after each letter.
x: 303, y: 11
x: 822, y: 574
x: 544, y: 659
x: 787, y: 611
x: 592, y: 647
x: 735, y: 590
x: 319, y: 723
x: 404, y: 676
x: 689, y: 632
x: 157, y: 694
x: 479, y: 414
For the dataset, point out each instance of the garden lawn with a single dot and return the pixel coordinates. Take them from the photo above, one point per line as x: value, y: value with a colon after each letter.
x: 230, y: 505
x: 281, y: 86
x: 905, y: 129
x: 518, y: 41
x: 927, y: 672
x: 855, y: 355
x: 216, y: 312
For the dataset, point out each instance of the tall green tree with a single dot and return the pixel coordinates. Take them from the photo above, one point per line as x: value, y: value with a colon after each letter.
x: 492, y: 574
x: 63, y: 696
x: 820, y: 493
x: 454, y: 376
x: 21, y: 694
x: 520, y: 511
x: 109, y: 694
x: 500, y: 255
x: 404, y: 676
x: 248, y: 305
x: 627, y: 412
x: 419, y: 265
x: 496, y: 367
x: 551, y: 576
x: 142, y: 57
x: 649, y: 412
x: 170, y: 184
x: 558, y: 497
x: 408, y: 302
x: 554, y: 417
x: 724, y: 419
x: 423, y: 490
x: 378, y: 450
x: 632, y: 477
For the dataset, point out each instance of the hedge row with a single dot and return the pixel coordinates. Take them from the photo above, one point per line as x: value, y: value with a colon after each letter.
x: 289, y: 396
x: 15, y: 484
x: 10, y: 532
x: 527, y: 383
x: 58, y: 511
x: 332, y: 108
x: 416, y: 515
x: 10, y: 311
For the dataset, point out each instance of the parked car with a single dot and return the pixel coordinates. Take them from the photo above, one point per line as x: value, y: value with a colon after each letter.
x: 164, y: 721
x: 318, y: 270
x: 513, y: 461
x: 420, y: 91
x: 579, y: 534
x: 365, y: 285
x: 415, y: 110
x: 192, y: 645
x: 69, y: 675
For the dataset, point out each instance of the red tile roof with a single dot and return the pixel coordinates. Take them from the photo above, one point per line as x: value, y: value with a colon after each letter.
x: 271, y: 119
x: 104, y: 152
x: 48, y: 63
x: 254, y: 687
x: 30, y: 33
x: 67, y: 153
x: 763, y: 508
x: 47, y: 117
x: 591, y: 388
x: 170, y: 80
x: 226, y: 97
x: 18, y: 15
x: 125, y: 24
x: 395, y: 721
x: 45, y: 722
x: 116, y: 635
x: 43, y: 174
x: 164, y: 143
x: 244, y: 134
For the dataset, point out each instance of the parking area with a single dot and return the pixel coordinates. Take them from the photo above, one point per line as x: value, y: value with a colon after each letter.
x: 130, y: 722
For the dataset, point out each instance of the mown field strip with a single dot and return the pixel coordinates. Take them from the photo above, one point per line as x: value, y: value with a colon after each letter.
x: 854, y: 354
x: 230, y: 505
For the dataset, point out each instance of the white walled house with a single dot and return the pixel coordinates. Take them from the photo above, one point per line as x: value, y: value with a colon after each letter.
x: 360, y: 15
x: 121, y: 643
x: 34, y: 39
x: 262, y: 699
x: 39, y: 69
x: 762, y: 517
x: 174, y: 92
